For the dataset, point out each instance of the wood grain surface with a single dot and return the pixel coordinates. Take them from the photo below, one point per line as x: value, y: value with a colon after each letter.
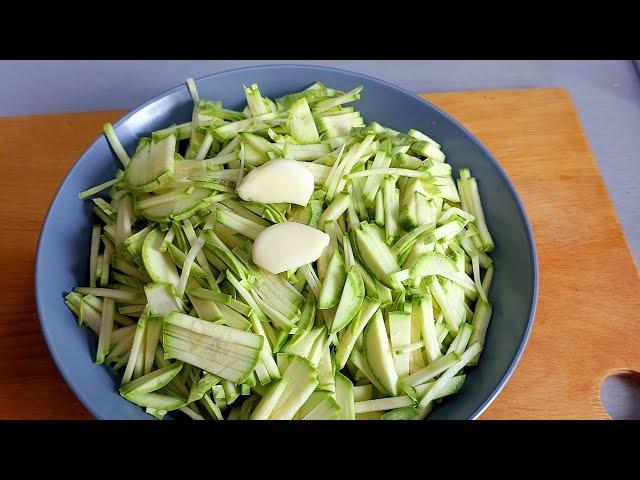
x: 587, y: 322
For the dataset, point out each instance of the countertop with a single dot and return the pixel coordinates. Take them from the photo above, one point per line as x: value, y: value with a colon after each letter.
x: 606, y: 95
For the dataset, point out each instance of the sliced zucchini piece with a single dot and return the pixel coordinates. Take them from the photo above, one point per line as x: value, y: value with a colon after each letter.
x: 152, y: 381
x: 354, y: 329
x: 345, y: 397
x: 446, y: 377
x: 152, y: 166
x: 400, y: 336
x: 161, y: 298
x: 481, y: 318
x: 157, y: 401
x: 402, y: 413
x: 305, y: 323
x: 226, y: 352
x: 375, y: 254
x: 350, y: 301
x: 333, y: 283
x: 302, y: 381
x: 176, y: 205
x: 159, y: 265
x: 377, y: 351
x: 319, y: 406
x: 270, y: 399
x: 113, y: 140
x: 301, y: 124
x: 204, y: 384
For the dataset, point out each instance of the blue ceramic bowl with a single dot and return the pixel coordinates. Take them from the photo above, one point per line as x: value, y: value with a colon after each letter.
x: 63, y: 250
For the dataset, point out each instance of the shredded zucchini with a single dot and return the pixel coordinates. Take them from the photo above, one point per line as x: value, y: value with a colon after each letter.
x: 384, y: 324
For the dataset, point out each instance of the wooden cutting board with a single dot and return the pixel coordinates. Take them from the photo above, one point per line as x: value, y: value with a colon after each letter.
x: 587, y: 322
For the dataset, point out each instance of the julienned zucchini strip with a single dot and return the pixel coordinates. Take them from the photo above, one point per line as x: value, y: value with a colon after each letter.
x: 383, y: 325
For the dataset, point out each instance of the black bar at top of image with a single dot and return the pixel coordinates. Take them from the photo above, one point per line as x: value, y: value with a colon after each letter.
x: 470, y: 31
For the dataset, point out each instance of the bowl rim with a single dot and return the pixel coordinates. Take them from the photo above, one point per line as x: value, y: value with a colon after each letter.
x: 75, y: 387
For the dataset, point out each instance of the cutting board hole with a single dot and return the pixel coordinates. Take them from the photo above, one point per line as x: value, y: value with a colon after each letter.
x: 620, y: 395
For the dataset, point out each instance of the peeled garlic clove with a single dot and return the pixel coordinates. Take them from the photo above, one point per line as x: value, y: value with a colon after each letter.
x: 277, y: 181
x: 288, y: 245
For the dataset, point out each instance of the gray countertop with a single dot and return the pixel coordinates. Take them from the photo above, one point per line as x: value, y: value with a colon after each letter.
x: 606, y: 95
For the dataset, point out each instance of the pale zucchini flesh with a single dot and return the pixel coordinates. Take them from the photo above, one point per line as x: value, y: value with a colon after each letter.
x: 153, y: 166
